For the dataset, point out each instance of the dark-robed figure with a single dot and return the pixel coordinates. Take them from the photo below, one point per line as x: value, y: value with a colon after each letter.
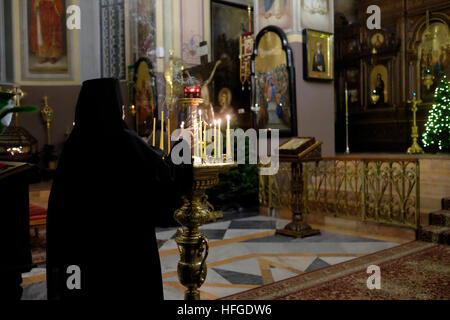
x: 110, y: 190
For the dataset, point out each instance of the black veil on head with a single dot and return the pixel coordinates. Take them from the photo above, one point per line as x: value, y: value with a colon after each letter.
x: 99, y: 107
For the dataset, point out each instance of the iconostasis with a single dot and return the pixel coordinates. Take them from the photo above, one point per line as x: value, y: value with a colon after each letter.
x: 384, y: 68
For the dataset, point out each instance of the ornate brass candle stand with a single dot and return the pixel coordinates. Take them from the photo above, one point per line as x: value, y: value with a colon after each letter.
x: 47, y: 117
x: 192, y: 244
x: 19, y: 94
x: 415, y: 148
x: 190, y: 106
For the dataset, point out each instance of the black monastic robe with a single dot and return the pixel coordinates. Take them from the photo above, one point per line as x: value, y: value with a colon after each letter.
x: 110, y: 191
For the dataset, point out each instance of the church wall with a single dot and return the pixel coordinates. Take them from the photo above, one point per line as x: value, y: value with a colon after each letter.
x: 315, y: 100
x: 89, y: 40
x: 63, y: 100
x: 315, y: 106
x: 61, y: 96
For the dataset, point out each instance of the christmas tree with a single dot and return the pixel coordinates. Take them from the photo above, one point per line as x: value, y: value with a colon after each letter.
x: 437, y: 128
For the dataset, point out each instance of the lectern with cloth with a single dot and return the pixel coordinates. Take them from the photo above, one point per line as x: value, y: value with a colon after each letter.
x: 296, y: 151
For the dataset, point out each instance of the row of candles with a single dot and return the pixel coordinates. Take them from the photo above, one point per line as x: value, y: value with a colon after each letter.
x: 201, y: 138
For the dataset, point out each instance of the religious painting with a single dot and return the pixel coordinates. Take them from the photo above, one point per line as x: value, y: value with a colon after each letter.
x: 47, y: 46
x: 279, y: 13
x: 377, y: 40
x: 145, y: 97
x: 318, y: 55
x: 379, y: 84
x: 433, y: 59
x: 230, y: 22
x: 225, y: 97
x: 273, y: 82
x: 192, y: 31
x: 317, y: 15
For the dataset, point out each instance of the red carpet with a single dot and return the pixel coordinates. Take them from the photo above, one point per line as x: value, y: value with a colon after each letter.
x: 416, y: 270
x: 37, y: 212
x: 37, y: 233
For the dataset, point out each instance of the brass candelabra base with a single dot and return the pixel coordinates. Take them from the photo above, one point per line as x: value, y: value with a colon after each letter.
x: 192, y: 244
x: 415, y: 148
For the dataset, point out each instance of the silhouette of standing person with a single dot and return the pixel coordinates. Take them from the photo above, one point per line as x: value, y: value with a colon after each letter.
x: 110, y: 191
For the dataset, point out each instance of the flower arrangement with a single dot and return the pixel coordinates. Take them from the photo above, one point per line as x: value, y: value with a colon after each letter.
x: 7, y: 108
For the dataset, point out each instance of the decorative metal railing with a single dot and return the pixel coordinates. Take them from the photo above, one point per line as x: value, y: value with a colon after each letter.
x: 380, y: 190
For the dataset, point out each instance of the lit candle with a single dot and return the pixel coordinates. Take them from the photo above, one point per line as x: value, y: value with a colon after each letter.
x: 228, y: 138
x: 200, y: 140
x: 195, y: 137
x: 168, y: 135
x: 204, y: 140
x: 346, y: 99
x: 219, y: 141
x: 182, y: 125
x: 161, y: 143
x: 215, y: 139
x: 192, y: 92
x: 154, y: 131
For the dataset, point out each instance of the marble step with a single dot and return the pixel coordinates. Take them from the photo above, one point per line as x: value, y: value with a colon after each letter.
x: 435, y: 234
x: 440, y: 218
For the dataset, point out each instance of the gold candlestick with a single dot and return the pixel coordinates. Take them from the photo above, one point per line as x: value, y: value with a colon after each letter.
x: 192, y: 244
x: 415, y: 148
x: 47, y: 116
x: 18, y: 95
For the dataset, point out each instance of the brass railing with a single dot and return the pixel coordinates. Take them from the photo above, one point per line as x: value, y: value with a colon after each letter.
x: 380, y: 190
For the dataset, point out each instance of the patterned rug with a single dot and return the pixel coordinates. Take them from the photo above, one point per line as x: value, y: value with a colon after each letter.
x: 413, y: 271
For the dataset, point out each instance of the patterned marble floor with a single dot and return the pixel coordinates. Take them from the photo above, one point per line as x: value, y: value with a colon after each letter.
x: 244, y: 253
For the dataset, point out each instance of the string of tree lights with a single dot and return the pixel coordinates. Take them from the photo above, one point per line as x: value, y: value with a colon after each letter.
x: 437, y: 128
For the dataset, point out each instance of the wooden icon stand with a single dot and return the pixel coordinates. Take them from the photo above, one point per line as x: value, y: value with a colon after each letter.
x: 296, y: 151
